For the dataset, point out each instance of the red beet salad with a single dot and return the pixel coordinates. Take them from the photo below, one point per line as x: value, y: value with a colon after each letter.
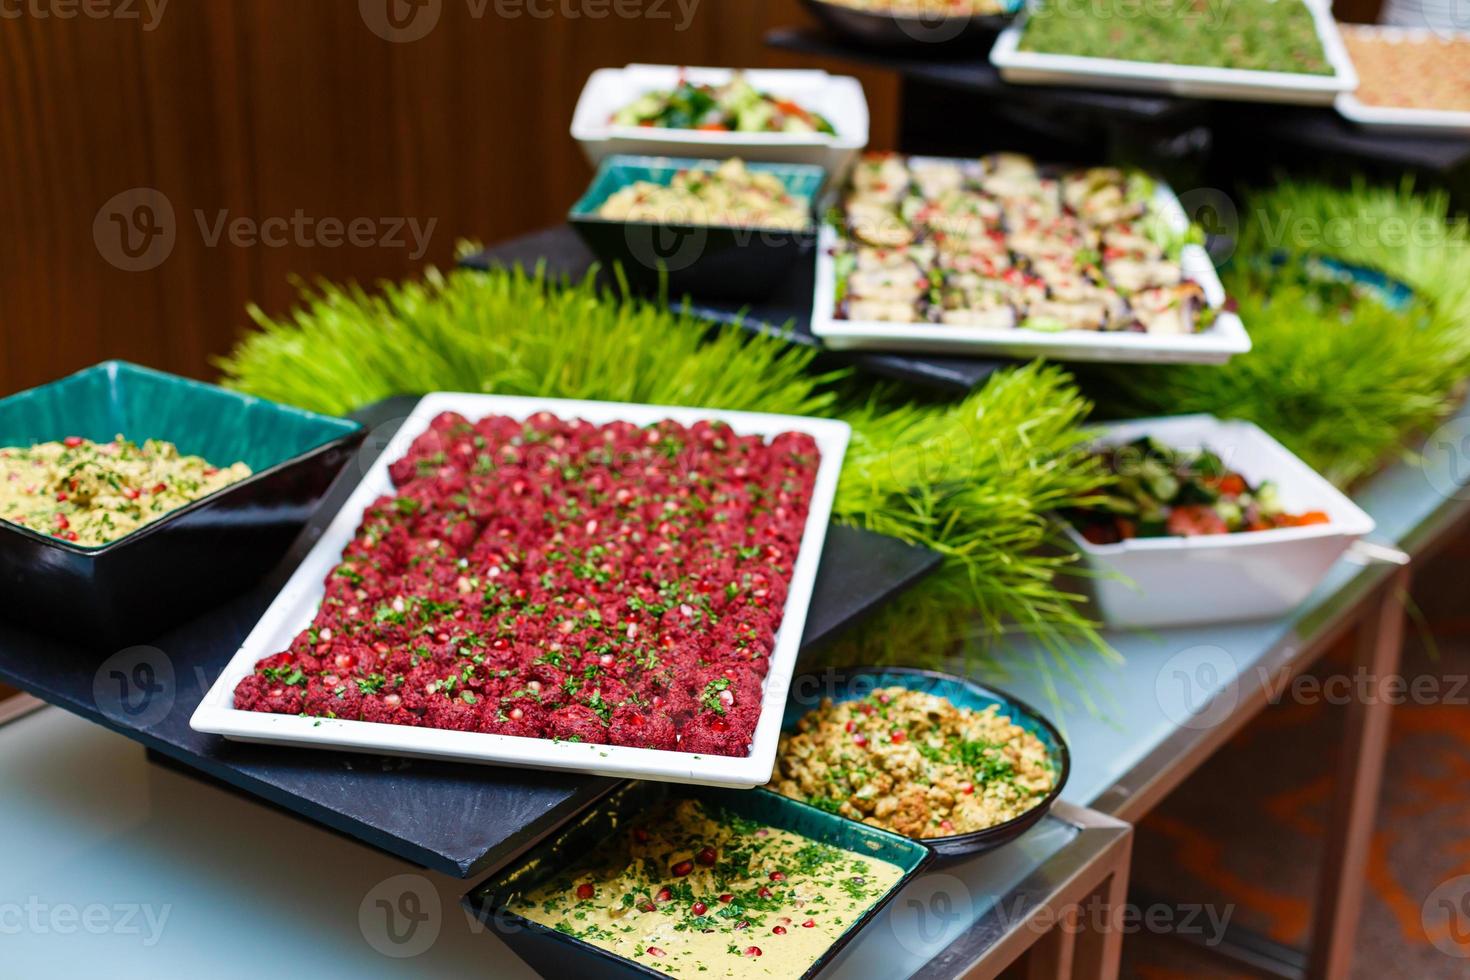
x: 554, y: 579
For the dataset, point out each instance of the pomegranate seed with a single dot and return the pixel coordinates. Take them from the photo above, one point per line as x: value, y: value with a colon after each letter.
x: 62, y: 522
x: 752, y: 951
x: 851, y: 726
x: 664, y: 895
x: 779, y: 930
x: 699, y: 908
x: 61, y: 496
x: 809, y: 924
x: 967, y: 788
x: 727, y: 898
x: 706, y: 857
x: 655, y: 951
x: 72, y: 442
x: 130, y: 493
x: 69, y: 536
x: 764, y: 892
x: 682, y: 868
x: 860, y: 740
x: 160, y: 487
x: 899, y: 736
x: 585, y: 890
x: 646, y: 907
x: 777, y: 876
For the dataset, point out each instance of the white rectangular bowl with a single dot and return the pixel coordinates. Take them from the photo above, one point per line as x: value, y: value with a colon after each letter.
x: 1406, y: 122
x: 1174, y: 581
x: 297, y: 604
x: 1225, y: 338
x: 1193, y: 81
x: 838, y: 97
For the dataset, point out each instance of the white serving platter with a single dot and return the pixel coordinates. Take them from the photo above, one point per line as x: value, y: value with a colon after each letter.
x: 297, y: 604
x: 1174, y: 581
x: 1194, y: 81
x: 1225, y: 337
x: 1405, y: 121
x: 838, y: 97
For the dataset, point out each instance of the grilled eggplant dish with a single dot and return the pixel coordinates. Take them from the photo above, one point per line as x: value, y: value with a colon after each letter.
x: 1000, y: 242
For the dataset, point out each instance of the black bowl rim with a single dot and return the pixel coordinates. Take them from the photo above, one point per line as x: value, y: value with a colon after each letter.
x: 493, y: 917
x: 977, y: 840
x: 356, y: 432
x: 896, y: 18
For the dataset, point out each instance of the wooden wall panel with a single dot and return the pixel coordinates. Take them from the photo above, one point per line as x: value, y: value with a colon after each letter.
x: 261, y: 108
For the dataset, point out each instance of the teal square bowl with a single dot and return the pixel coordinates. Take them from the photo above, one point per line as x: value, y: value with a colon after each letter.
x: 132, y: 587
x: 703, y: 261
x: 557, y: 954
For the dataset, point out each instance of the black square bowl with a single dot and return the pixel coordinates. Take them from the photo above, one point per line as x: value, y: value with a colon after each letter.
x: 700, y: 261
x: 556, y: 954
x: 131, y: 588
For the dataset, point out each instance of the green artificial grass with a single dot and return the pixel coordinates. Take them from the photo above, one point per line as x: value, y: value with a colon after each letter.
x: 973, y: 479
x: 1334, y: 373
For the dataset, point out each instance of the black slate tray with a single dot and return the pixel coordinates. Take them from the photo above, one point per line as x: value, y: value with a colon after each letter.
x: 458, y: 819
x: 785, y: 312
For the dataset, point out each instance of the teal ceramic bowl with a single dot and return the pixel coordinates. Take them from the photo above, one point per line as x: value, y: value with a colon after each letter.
x: 856, y: 683
x: 555, y: 954
x: 702, y: 261
x: 130, y: 588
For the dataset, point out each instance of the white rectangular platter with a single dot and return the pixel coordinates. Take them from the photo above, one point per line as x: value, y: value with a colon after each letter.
x: 1224, y: 338
x: 296, y: 606
x: 837, y: 97
x: 1194, y: 81
x: 1404, y: 121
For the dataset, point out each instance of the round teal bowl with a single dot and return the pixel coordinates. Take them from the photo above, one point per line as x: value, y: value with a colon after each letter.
x: 854, y: 683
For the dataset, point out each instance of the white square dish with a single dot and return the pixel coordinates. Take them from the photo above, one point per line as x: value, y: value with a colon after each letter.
x: 838, y: 97
x: 1397, y: 119
x: 297, y: 604
x: 1194, y: 81
x: 1174, y: 581
x: 1225, y: 337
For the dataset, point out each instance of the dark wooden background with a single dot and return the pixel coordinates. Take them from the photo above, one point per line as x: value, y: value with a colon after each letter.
x: 264, y: 107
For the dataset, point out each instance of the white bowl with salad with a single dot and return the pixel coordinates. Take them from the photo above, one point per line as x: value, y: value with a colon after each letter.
x: 767, y: 115
x: 1208, y: 521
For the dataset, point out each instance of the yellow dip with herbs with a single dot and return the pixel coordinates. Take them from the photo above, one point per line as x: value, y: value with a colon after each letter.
x: 692, y: 892
x: 92, y: 493
x: 914, y: 763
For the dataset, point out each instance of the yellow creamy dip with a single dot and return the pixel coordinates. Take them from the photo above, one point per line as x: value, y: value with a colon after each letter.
x: 691, y: 892
x: 92, y: 493
x: 728, y: 195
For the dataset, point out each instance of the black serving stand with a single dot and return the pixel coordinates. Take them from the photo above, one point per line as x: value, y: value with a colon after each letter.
x: 786, y: 313
x: 456, y: 818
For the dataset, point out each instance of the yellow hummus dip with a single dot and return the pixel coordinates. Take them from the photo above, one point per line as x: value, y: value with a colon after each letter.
x: 729, y: 195
x: 691, y: 892
x: 92, y: 493
x: 914, y: 763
